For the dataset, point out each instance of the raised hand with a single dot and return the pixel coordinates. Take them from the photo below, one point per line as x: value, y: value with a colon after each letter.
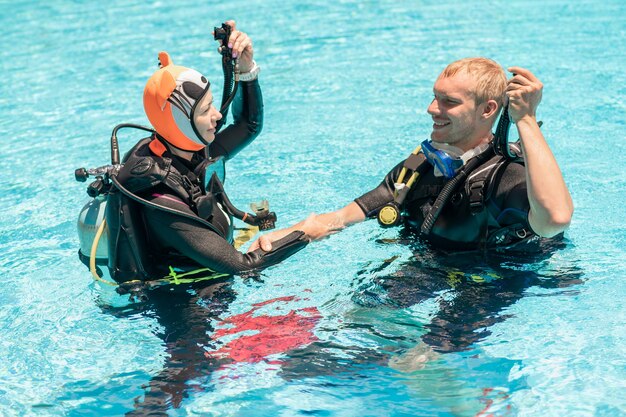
x: 524, y: 92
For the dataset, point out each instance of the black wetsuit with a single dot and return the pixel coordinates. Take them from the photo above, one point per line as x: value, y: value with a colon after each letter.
x: 147, y: 239
x: 501, y: 221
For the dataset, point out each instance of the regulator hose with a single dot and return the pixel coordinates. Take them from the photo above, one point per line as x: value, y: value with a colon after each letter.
x: 115, y: 149
x: 143, y: 201
x: 230, y: 68
x: 92, y: 255
x: 264, y: 219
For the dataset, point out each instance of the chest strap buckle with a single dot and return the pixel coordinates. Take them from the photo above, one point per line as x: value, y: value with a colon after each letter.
x: 194, y: 190
x: 476, y: 197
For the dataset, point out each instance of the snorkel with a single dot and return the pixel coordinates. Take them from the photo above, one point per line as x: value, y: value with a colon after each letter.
x: 501, y: 137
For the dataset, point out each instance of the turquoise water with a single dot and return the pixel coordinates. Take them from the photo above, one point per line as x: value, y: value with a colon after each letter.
x: 340, y: 329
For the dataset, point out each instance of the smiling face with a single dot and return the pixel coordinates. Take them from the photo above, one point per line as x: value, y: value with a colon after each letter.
x: 205, y: 117
x: 457, y: 117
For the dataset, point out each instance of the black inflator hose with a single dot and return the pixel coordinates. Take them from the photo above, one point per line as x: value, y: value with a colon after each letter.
x: 145, y: 202
x: 248, y: 218
x: 449, y: 188
x: 229, y: 91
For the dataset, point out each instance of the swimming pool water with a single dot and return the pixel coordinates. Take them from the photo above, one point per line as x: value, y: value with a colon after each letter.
x: 344, y: 327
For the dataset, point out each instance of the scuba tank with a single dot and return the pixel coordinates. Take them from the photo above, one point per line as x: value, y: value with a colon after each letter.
x: 92, y: 231
x: 89, y: 220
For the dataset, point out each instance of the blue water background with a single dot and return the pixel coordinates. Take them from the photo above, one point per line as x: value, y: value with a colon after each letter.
x: 346, y: 85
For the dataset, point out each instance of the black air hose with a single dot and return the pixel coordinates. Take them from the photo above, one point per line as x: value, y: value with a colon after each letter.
x: 115, y: 149
x: 449, y: 188
x: 229, y: 91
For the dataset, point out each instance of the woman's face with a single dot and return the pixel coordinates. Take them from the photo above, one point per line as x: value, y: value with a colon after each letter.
x: 205, y: 117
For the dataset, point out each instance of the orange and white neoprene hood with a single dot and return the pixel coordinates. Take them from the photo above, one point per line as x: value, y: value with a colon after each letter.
x: 169, y: 101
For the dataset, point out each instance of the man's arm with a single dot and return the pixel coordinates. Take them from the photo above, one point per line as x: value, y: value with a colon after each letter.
x: 551, y: 205
x: 316, y: 226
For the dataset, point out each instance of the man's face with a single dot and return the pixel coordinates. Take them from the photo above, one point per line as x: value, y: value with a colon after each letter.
x: 205, y: 117
x: 454, y: 111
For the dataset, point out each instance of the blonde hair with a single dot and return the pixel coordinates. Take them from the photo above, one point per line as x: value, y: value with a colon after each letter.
x: 490, y: 77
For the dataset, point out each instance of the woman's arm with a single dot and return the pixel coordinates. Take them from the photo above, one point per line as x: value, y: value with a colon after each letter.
x: 210, y: 250
x: 247, y: 106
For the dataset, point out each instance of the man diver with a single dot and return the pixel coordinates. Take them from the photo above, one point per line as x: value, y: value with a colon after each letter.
x: 163, y: 212
x: 457, y: 191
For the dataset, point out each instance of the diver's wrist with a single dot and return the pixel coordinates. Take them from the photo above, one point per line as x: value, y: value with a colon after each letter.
x: 527, y: 123
x: 251, y: 75
x: 527, y: 119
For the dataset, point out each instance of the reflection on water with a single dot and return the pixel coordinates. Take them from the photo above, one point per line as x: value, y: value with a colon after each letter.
x: 471, y: 289
x: 186, y: 323
x: 260, y: 336
x: 200, y: 337
x: 409, y: 316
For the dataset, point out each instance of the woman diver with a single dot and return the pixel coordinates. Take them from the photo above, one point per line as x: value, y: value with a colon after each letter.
x: 162, y: 207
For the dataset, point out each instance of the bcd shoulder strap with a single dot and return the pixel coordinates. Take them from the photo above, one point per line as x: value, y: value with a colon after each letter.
x: 143, y: 170
x: 480, y: 184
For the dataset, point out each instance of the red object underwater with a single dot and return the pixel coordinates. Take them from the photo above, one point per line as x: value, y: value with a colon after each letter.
x: 274, y: 334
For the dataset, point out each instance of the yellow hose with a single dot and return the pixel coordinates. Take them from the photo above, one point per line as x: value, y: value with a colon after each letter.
x: 92, y: 256
x: 412, y: 180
